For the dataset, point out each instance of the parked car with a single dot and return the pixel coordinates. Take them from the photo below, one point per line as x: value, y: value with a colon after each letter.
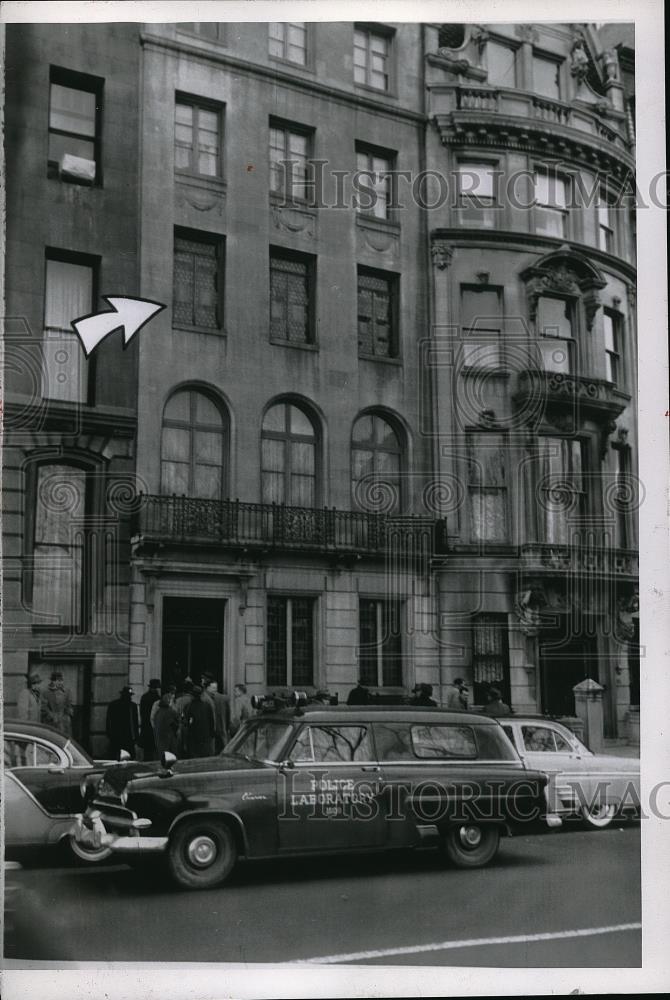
x: 595, y: 787
x: 43, y: 773
x: 320, y: 780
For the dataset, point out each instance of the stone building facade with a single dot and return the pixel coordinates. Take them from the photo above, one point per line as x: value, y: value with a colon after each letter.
x: 384, y: 425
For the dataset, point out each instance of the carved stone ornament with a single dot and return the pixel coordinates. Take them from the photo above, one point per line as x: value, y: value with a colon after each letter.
x: 610, y: 64
x: 591, y: 305
x: 565, y: 272
x: 480, y: 37
x: 622, y: 435
x: 559, y: 279
x: 526, y: 32
x: 293, y: 221
x: 442, y: 254
x: 627, y: 608
x: 454, y: 64
x: 579, y: 65
x: 528, y: 606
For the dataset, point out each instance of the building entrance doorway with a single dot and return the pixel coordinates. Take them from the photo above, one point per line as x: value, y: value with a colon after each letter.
x: 565, y: 660
x: 192, y: 639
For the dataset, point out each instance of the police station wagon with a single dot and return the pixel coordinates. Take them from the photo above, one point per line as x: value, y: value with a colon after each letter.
x: 321, y: 780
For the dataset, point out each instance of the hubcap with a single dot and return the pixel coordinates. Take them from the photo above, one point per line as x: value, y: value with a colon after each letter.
x: 201, y: 851
x: 470, y: 836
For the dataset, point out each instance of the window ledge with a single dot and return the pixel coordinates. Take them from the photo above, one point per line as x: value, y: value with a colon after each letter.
x: 292, y: 64
x: 200, y: 180
x: 383, y: 360
x: 295, y: 204
x: 369, y: 221
x: 218, y: 332
x: 292, y: 343
x: 376, y: 90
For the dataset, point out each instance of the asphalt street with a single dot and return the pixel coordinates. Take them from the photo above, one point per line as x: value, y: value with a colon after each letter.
x: 565, y: 898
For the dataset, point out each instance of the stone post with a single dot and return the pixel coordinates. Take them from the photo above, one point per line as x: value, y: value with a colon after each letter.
x: 589, y: 708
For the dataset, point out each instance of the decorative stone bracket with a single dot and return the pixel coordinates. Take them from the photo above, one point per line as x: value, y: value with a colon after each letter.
x: 442, y: 254
x: 567, y: 272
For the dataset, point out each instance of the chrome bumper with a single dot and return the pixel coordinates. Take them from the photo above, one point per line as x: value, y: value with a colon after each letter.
x: 89, y: 829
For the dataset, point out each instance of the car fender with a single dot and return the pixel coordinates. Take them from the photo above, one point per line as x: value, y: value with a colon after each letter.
x: 211, y: 812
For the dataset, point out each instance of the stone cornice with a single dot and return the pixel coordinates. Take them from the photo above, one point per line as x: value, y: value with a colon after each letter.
x: 20, y: 418
x: 525, y: 242
x: 541, y: 138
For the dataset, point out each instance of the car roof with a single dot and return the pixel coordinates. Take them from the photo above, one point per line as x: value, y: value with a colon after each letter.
x: 528, y: 717
x: 34, y: 730
x: 378, y: 713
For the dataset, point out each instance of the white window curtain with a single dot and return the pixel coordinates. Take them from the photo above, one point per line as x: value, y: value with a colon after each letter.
x: 58, y: 545
x: 68, y: 295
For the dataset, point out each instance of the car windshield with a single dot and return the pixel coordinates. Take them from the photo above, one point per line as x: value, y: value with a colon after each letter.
x: 261, y: 739
x: 78, y: 755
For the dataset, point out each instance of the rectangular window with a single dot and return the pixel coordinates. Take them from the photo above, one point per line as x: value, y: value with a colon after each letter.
x: 213, y: 31
x: 197, y: 138
x: 75, y: 104
x: 606, y: 218
x: 372, y: 59
x: 487, y: 487
x: 288, y: 40
x: 68, y: 295
x: 554, y: 324
x: 377, y: 314
x: 551, y: 204
x: 562, y: 489
x: 290, y: 168
x: 380, y: 643
x: 490, y: 657
x: 375, y: 181
x: 612, y: 324
x: 547, y: 77
x: 196, y: 297
x: 291, y: 298
x: 481, y: 326
x: 290, y: 641
x: 477, y: 189
x: 501, y: 64
x: 58, y: 546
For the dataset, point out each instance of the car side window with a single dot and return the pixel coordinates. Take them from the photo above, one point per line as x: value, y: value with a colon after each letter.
x: 538, y: 739
x: 444, y: 741
x: 562, y: 744
x: 331, y: 744
x: 394, y: 742
x: 18, y: 753
x: 45, y: 755
x: 509, y: 733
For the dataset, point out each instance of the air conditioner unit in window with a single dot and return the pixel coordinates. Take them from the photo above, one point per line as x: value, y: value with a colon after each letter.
x: 77, y: 168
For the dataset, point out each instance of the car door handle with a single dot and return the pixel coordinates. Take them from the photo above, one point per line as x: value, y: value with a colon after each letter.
x: 371, y: 767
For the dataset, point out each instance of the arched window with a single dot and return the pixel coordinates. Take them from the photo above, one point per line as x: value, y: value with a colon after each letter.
x: 376, y: 456
x: 193, y: 446
x: 288, y: 457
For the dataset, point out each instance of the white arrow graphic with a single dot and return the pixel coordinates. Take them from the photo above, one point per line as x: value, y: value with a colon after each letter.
x: 131, y: 314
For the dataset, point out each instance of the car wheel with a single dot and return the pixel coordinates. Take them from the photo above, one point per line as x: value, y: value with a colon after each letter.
x: 201, y: 853
x: 597, y: 817
x: 89, y: 855
x: 470, y: 845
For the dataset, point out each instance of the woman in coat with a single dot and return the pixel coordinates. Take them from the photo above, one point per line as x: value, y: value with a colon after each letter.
x: 57, y: 704
x: 166, y: 726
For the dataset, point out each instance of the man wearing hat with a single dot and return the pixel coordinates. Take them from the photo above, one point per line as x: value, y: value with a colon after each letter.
x: 457, y: 696
x: 423, y: 695
x: 147, y: 701
x: 122, y: 724
x: 57, y: 704
x: 29, y: 704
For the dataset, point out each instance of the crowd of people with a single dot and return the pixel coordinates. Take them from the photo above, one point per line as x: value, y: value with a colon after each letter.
x: 195, y: 721
x: 198, y: 720
x: 456, y: 699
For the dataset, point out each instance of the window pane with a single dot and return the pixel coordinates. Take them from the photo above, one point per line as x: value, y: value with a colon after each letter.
x: 501, y: 65
x: 275, y: 418
x: 59, y: 145
x: 175, y: 478
x: 363, y: 429
x: 554, y: 317
x: 178, y: 407
x: 480, y: 310
x: 276, y: 641
x: 555, y: 356
x: 300, y: 422
x: 72, y: 110
x: 273, y: 455
x: 208, y: 447
x: 176, y: 444
x: 207, y: 482
x: 206, y: 412
x: 538, y: 739
x: 443, y: 741
x: 68, y: 295
x: 60, y: 500
x: 546, y: 77
x: 367, y: 652
x: 477, y: 179
x: 341, y: 744
x: 488, y: 515
x: 302, y: 641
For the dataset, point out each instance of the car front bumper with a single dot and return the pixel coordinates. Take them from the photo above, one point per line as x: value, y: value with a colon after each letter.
x: 89, y: 830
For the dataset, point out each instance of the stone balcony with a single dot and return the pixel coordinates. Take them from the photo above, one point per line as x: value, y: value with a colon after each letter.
x: 582, y: 397
x: 594, y: 134
x: 577, y: 560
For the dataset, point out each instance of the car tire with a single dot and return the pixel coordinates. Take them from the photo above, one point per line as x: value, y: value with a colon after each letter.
x: 471, y: 846
x: 86, y: 855
x: 201, y: 853
x: 598, y: 817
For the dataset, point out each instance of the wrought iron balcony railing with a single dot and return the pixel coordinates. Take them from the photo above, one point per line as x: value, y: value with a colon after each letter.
x: 261, y: 526
x: 579, y: 560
